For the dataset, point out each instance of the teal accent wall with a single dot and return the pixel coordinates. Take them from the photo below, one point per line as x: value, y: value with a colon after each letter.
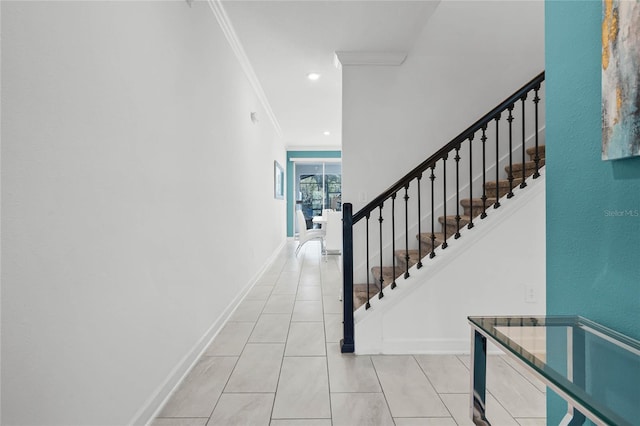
x: 300, y: 154
x: 593, y: 219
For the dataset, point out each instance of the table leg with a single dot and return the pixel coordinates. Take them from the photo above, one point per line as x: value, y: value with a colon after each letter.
x: 478, y: 378
x: 576, y: 372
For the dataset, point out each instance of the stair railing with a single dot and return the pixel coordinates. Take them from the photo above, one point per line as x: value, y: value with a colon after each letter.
x: 488, y: 127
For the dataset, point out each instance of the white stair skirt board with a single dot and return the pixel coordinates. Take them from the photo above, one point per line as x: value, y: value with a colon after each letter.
x: 490, y: 270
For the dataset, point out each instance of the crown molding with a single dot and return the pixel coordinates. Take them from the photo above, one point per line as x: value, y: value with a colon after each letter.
x: 313, y: 147
x: 369, y: 58
x: 238, y: 50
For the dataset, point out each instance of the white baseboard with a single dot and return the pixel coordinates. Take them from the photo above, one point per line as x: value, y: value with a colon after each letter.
x: 426, y: 347
x: 159, y: 398
x: 416, y: 346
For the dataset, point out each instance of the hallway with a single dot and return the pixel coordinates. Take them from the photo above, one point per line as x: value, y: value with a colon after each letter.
x: 277, y: 362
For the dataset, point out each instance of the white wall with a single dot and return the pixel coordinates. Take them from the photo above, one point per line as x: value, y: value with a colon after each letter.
x: 133, y: 188
x: 470, y: 56
x: 488, y: 271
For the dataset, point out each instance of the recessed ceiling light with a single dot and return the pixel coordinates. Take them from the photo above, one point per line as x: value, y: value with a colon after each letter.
x: 313, y: 76
x: 327, y: 133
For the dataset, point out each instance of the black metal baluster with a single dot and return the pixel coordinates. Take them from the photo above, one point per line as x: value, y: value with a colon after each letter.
x: 368, y: 305
x: 406, y: 229
x: 419, y: 177
x: 524, y: 161
x: 470, y: 225
x: 444, y: 205
x: 457, y: 158
x: 497, y: 203
x: 381, y: 294
x: 510, y: 120
x: 484, y: 172
x: 433, y: 231
x: 536, y: 158
x: 393, y: 237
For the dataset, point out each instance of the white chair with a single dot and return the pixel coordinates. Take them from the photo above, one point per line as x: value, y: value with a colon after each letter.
x: 305, y: 234
x: 333, y: 234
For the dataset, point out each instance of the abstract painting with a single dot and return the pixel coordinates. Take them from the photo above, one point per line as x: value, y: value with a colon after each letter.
x: 278, y: 181
x: 620, y: 79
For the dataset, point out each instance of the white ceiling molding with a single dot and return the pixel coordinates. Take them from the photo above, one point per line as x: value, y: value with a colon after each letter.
x: 317, y: 160
x: 369, y: 58
x: 313, y: 147
x: 236, y: 46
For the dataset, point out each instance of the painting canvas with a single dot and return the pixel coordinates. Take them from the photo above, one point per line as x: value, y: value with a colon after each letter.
x: 620, y: 79
x: 278, y: 181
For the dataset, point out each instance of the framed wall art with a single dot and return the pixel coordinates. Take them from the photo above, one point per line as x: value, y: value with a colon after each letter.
x: 278, y: 181
x: 620, y: 79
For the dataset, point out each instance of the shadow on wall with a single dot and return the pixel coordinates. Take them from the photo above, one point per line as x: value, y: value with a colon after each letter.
x: 628, y: 168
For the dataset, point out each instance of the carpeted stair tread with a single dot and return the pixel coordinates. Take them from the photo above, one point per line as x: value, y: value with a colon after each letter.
x: 503, y: 183
x: 531, y: 152
x: 530, y: 168
x: 360, y: 294
x: 452, y: 225
x: 490, y: 186
x: 466, y: 202
x: 401, y: 261
x: 425, y: 241
x: 425, y: 237
x: 387, y: 274
x: 476, y: 205
x: 452, y: 219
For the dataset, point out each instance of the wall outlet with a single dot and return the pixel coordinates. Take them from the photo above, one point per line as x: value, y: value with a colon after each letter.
x: 530, y: 295
x: 362, y: 197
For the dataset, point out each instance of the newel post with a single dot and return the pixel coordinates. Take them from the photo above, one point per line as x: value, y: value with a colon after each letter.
x: 347, y: 344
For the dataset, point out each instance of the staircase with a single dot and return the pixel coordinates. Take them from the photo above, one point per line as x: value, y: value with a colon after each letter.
x: 471, y: 208
x: 469, y: 162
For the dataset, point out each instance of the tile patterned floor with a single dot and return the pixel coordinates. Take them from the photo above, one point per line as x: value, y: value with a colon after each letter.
x: 277, y: 362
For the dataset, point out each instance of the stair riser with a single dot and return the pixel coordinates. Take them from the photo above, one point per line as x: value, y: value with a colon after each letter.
x: 388, y: 279
x: 426, y: 248
x: 476, y: 211
x: 533, y: 157
x: 491, y: 192
x: 360, y: 294
x: 504, y: 187
x: 359, y: 299
x: 387, y: 275
x: 518, y: 172
x: 532, y: 153
x: 452, y: 224
x: 452, y: 228
x: 402, y: 263
x: 425, y: 241
x: 503, y: 191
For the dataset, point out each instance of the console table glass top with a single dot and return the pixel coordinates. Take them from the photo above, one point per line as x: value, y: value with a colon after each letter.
x: 595, y: 369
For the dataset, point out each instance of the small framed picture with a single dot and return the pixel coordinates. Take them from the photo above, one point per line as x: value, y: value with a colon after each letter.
x: 278, y: 181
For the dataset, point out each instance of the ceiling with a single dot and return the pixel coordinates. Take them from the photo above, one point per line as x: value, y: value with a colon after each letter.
x: 286, y: 40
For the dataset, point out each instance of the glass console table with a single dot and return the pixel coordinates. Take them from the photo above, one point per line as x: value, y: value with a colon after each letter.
x: 595, y: 369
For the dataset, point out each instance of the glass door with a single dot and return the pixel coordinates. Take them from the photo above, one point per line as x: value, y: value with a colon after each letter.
x: 317, y: 186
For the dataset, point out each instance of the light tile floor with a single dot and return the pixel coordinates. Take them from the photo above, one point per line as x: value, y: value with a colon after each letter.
x: 277, y: 362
